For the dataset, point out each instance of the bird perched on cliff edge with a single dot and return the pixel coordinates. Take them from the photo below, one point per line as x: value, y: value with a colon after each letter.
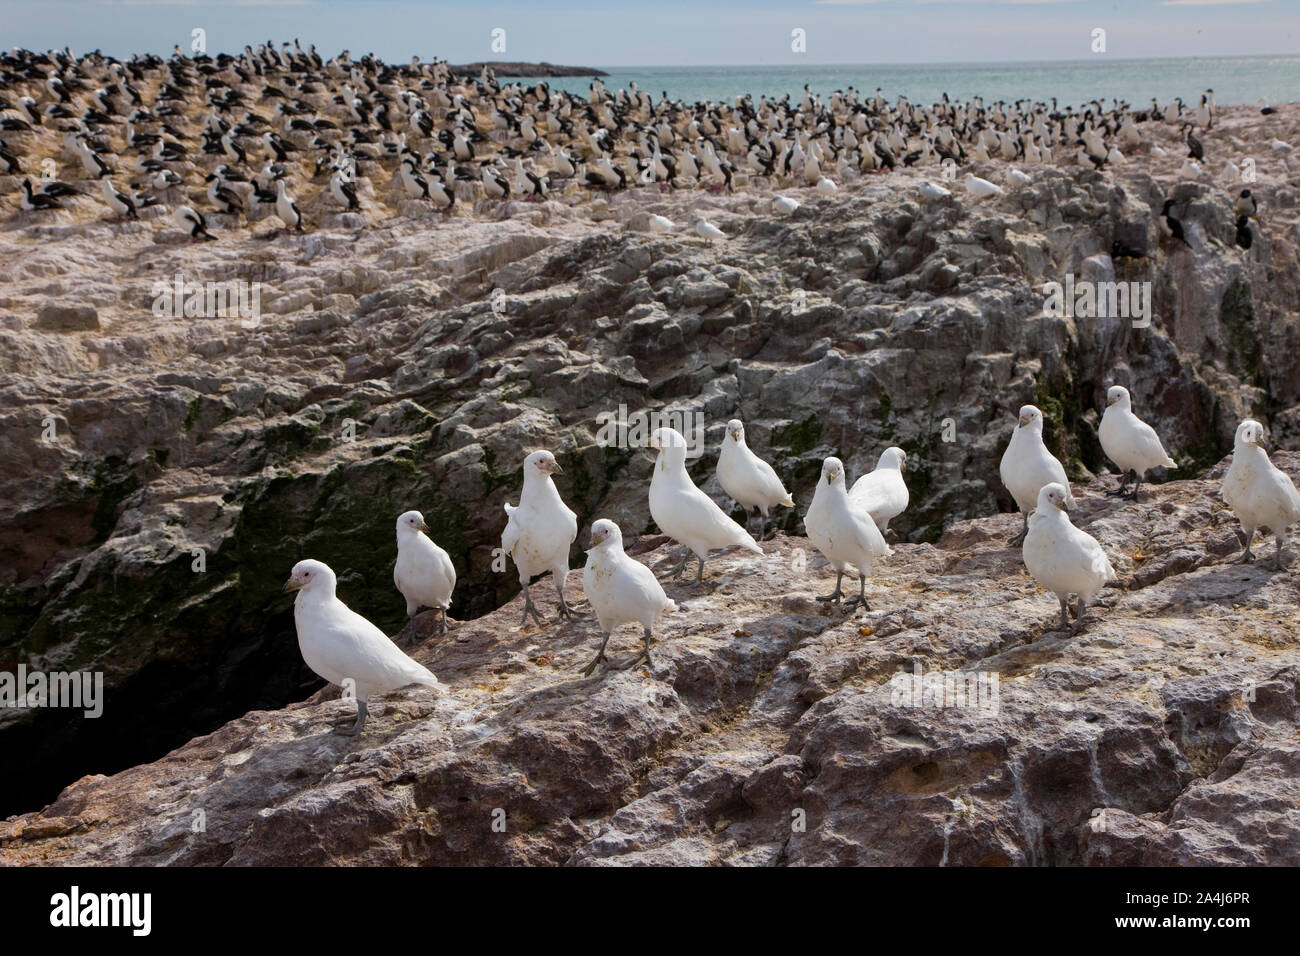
x: 981, y: 188
x: 423, y: 572
x: 661, y: 225
x: 842, y: 533
x: 1175, y: 225
x: 1062, y: 558
x: 1244, y: 238
x: 705, y: 229
x: 683, y: 512
x: 882, y: 493
x: 1128, y: 441
x: 620, y: 589
x: 1259, y: 494
x: 1027, y: 465
x: 540, y: 531
x: 932, y: 192
x: 1245, y: 204
x: 748, y: 479
x: 784, y: 205
x: 1119, y: 250
x: 342, y: 646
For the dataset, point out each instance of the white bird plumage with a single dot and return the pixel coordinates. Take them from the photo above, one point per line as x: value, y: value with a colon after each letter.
x: 1128, y: 441
x: 784, y: 205
x: 1257, y: 491
x: 1027, y: 465
x: 620, y: 589
x: 340, y: 645
x: 981, y: 188
x: 842, y: 533
x: 1062, y: 558
x: 682, y: 511
x: 540, y: 531
x: 707, y: 230
x: 932, y: 191
x: 423, y: 571
x: 752, y: 482
x: 882, y: 493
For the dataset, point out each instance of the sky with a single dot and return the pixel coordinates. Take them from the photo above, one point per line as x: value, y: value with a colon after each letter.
x: 671, y: 32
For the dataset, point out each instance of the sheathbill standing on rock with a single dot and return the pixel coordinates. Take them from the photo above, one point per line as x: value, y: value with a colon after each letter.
x: 341, y: 646
x: 1259, y: 494
x: 1128, y: 441
x: 423, y: 572
x: 748, y: 479
x: 1027, y: 465
x: 844, y: 534
x: 683, y: 512
x: 620, y: 589
x: 1063, y: 559
x: 882, y: 493
x: 540, y: 531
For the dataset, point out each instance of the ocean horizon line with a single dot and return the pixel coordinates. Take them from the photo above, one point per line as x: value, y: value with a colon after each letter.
x: 930, y: 63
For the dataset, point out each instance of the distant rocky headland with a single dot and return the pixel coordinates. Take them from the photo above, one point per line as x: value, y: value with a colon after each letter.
x: 510, y: 69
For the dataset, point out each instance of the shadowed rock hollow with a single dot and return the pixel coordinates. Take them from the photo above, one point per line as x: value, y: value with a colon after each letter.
x: 766, y: 730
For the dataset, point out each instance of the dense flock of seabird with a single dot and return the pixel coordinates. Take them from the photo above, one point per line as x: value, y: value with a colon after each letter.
x: 847, y: 525
x: 231, y: 139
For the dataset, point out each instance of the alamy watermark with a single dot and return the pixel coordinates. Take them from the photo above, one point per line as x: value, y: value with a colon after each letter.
x: 79, y: 690
x: 232, y: 299
x: 1085, y: 299
x: 623, y: 430
x: 127, y: 910
x: 963, y: 690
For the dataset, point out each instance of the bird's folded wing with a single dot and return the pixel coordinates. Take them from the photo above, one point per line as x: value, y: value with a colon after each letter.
x: 640, y: 583
x: 349, y: 646
x: 769, y: 481
x: 1286, y: 490
x: 1094, y: 556
x: 510, y: 536
x: 868, y: 537
x: 1148, y: 443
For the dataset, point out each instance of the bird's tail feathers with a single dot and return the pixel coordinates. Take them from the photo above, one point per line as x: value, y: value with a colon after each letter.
x: 1169, y: 462
x: 787, y: 501
x: 427, y: 680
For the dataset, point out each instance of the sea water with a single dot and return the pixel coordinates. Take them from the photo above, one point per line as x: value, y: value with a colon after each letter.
x: 1235, y: 80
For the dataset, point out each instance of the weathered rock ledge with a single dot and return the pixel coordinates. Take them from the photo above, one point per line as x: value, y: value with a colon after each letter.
x: 1164, y: 734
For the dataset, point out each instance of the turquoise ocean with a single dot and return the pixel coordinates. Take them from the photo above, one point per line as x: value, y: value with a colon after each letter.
x: 1235, y: 80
